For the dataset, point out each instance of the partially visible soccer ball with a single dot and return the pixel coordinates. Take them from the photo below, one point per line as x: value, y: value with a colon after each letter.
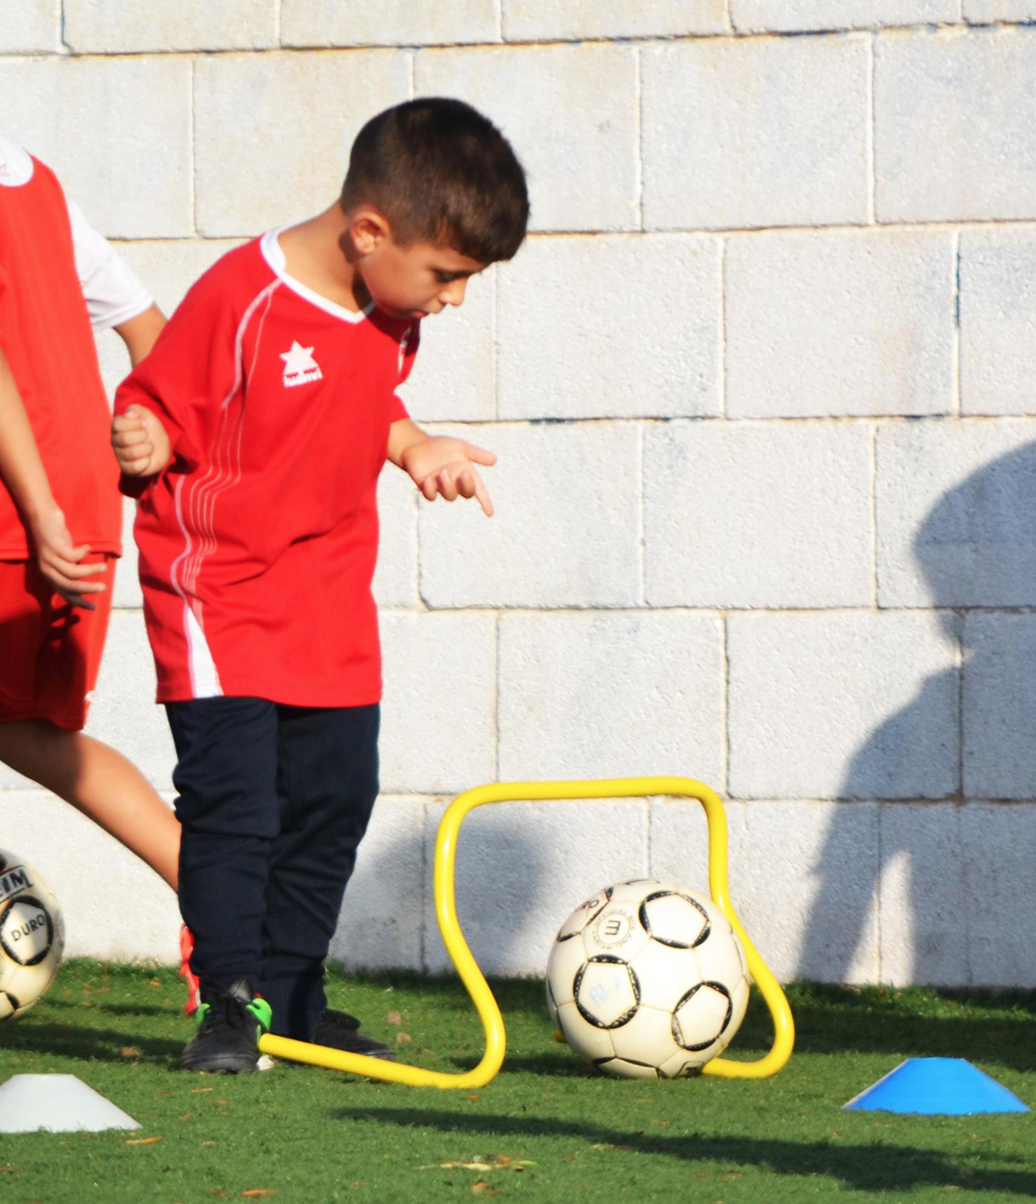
x: 647, y: 980
x: 32, y: 936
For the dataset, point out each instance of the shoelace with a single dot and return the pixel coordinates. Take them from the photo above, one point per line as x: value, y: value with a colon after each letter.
x: 229, y: 1013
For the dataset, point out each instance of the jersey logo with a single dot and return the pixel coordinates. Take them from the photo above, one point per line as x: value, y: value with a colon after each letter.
x: 299, y: 366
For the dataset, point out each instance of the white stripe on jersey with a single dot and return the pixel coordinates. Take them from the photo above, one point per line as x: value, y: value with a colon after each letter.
x: 223, y: 472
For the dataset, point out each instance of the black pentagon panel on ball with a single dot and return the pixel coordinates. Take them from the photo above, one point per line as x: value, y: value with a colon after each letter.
x: 32, y: 924
x: 718, y: 1008
x: 701, y: 916
x: 615, y: 996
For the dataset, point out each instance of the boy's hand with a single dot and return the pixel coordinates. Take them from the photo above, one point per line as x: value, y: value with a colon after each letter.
x: 58, y: 559
x: 441, y: 465
x: 141, y: 443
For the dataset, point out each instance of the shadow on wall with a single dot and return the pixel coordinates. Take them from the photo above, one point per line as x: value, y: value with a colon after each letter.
x: 956, y: 876
x: 388, y: 917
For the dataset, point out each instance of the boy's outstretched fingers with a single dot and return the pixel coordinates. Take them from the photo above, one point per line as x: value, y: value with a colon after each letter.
x: 458, y: 480
x: 471, y: 484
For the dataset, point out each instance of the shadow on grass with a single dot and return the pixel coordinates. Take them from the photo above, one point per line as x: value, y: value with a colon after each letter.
x: 113, y: 1009
x: 993, y: 1028
x: 996, y: 1028
x: 89, y: 1044
x: 863, y: 1167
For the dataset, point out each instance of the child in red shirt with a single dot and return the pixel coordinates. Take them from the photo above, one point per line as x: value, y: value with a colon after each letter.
x: 60, y: 511
x: 254, y: 435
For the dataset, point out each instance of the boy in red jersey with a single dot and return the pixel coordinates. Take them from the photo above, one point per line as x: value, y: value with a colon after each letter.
x: 60, y: 511
x: 254, y: 435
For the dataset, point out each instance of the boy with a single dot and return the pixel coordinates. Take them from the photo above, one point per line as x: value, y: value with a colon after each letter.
x: 254, y: 435
x: 57, y: 276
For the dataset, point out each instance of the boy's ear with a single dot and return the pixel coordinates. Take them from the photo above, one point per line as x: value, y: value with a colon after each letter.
x: 369, y: 230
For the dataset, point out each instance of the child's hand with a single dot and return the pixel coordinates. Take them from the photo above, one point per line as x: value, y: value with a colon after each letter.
x: 141, y: 444
x: 58, y: 559
x: 440, y: 465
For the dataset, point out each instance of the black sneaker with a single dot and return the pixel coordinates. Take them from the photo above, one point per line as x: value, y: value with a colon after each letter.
x: 229, y: 1026
x: 338, y: 1030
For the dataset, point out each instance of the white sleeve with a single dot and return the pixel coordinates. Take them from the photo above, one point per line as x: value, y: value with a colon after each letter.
x: 112, y: 290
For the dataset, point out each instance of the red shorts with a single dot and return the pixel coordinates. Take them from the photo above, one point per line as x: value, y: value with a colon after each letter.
x: 50, y: 652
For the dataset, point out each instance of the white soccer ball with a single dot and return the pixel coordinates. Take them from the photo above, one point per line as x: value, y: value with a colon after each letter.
x: 32, y: 936
x: 647, y: 980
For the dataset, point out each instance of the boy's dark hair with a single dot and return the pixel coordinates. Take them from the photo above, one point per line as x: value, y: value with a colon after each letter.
x: 441, y: 172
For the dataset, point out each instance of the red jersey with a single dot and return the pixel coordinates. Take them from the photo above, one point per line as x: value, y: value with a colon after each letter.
x: 258, y: 542
x: 46, y: 336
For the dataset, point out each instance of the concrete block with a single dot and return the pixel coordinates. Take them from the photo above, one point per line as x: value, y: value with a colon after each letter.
x: 124, y: 713
x: 846, y: 705
x: 31, y: 26
x: 130, y: 26
x: 582, y: 171
x: 388, y: 22
x: 999, y: 848
x: 382, y: 915
x: 999, y: 703
x: 565, y: 532
x: 523, y: 868
x: 114, y: 361
x: 532, y: 21
x: 133, y: 916
x: 924, y: 899
x: 454, y: 375
x: 978, y: 12
x: 678, y: 845
x: 167, y: 270
x: 438, y: 716
x: 127, y: 594
x: 997, y: 321
x: 731, y: 510
x: 134, y: 115
x: 803, y: 880
x: 610, y: 695
x: 840, y: 322
x: 954, y: 502
x: 395, y: 579
x: 655, y: 354
x: 309, y: 108
x: 798, y: 16
x: 769, y: 132
x: 953, y: 138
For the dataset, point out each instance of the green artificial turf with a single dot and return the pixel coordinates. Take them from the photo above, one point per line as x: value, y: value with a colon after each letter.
x: 547, y: 1129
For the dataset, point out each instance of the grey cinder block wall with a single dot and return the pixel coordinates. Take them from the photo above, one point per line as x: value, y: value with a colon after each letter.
x: 761, y: 384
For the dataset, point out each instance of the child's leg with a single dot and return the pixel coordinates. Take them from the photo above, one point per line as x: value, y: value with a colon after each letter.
x: 328, y: 781
x: 101, y: 783
x: 50, y: 654
x: 226, y: 777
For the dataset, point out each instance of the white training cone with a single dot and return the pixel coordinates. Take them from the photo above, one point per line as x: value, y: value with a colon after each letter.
x: 58, y: 1102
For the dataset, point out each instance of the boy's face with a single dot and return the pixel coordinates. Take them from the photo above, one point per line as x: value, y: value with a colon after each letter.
x: 410, y: 281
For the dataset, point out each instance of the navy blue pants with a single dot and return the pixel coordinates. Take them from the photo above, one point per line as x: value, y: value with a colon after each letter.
x: 273, y: 801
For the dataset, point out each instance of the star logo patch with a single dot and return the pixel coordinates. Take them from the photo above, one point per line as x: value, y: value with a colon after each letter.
x: 300, y: 368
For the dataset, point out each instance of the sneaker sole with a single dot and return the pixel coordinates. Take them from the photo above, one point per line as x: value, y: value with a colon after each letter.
x: 222, y: 1064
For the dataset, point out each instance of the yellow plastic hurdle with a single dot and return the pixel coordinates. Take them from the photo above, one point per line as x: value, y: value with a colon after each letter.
x: 471, y: 975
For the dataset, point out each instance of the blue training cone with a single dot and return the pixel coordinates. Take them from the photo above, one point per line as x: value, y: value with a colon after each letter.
x: 936, y: 1086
